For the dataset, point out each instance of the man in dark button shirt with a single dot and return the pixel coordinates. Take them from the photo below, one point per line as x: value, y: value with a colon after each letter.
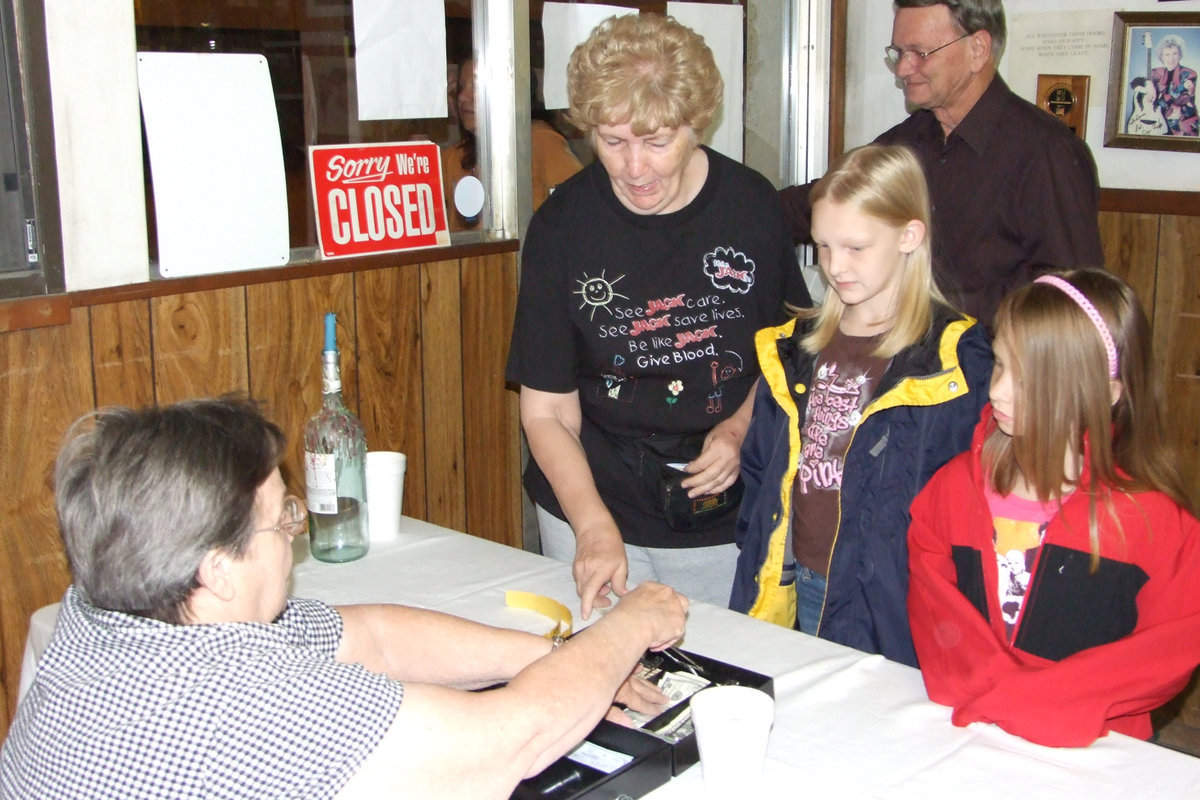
x: 1014, y: 191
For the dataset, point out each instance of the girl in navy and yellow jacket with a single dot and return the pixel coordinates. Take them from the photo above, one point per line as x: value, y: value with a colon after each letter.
x: 860, y: 402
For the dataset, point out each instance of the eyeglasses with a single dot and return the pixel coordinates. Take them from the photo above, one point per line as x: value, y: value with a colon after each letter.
x: 294, y: 520
x: 895, y: 54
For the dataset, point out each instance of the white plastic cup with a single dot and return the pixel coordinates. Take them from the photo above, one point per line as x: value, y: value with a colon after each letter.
x: 732, y: 726
x: 385, y: 493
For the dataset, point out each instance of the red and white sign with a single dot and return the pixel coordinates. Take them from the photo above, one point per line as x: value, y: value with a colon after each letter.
x: 378, y: 198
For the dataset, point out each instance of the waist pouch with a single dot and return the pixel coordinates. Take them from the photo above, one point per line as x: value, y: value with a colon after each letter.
x: 651, y: 458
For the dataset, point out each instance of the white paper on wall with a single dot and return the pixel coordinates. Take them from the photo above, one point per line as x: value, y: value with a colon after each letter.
x: 400, y: 54
x: 565, y: 25
x: 721, y: 26
x: 1058, y: 44
x: 220, y: 195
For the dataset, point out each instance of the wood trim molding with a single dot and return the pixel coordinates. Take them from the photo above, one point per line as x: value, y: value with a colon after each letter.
x: 1140, y: 201
x: 34, y: 312
x: 44, y: 311
x: 837, y: 79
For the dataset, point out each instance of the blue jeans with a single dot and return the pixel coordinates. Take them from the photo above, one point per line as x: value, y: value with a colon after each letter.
x: 810, y: 597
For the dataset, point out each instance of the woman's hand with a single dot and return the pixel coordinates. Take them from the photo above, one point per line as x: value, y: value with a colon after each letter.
x: 637, y: 694
x: 600, y: 566
x: 717, y: 466
x: 720, y: 460
x: 660, y: 608
x: 641, y: 695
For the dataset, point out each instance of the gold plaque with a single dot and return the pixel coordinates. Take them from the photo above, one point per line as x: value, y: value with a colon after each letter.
x: 1066, y: 97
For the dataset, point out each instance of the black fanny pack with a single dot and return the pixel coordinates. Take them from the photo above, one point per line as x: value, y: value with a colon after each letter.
x: 659, y: 461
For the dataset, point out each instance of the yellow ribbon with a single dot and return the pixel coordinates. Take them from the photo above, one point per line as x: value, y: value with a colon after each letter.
x: 548, y: 607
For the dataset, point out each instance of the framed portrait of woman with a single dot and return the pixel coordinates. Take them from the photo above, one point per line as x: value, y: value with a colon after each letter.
x: 1152, y: 82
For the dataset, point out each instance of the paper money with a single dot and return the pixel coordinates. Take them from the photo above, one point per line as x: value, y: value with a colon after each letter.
x: 677, y: 686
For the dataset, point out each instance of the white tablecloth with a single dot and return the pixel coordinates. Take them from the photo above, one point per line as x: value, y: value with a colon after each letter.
x: 847, y: 724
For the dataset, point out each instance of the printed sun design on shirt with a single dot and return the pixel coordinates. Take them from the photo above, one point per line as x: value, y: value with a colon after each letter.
x: 598, y: 292
x: 729, y: 270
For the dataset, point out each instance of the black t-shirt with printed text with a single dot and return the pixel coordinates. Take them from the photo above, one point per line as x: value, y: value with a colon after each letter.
x: 652, y: 319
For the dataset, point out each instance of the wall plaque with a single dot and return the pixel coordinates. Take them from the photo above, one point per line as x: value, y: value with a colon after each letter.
x: 1066, y: 97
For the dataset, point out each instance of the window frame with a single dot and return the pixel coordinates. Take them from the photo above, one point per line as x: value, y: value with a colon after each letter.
x: 26, y: 48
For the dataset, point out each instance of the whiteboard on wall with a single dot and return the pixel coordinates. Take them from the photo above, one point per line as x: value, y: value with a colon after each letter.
x: 722, y: 27
x: 874, y: 101
x: 216, y: 161
x: 566, y: 25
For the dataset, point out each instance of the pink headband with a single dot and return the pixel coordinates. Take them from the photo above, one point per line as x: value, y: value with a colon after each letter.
x: 1109, y: 346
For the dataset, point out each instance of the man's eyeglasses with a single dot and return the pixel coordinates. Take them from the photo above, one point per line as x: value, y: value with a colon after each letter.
x: 294, y: 520
x: 895, y: 54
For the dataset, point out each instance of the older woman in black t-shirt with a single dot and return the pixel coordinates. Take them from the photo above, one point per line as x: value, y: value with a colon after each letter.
x: 644, y: 280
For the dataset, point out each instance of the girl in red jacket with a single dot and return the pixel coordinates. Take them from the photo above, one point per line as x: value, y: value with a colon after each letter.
x: 1055, y: 565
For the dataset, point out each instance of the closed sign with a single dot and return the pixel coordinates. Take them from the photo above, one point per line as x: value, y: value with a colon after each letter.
x: 378, y: 198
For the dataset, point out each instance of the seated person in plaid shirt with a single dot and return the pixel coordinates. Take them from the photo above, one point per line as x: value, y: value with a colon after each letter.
x: 180, y: 667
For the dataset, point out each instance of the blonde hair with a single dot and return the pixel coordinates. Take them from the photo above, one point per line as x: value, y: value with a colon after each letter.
x: 885, y: 182
x: 1170, y: 40
x: 644, y: 70
x: 1050, y: 338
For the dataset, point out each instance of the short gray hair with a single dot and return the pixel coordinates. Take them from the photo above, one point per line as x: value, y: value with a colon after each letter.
x: 1170, y: 40
x: 143, y: 495
x: 972, y: 16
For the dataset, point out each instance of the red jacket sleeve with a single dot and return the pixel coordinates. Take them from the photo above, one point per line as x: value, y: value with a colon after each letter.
x: 959, y: 654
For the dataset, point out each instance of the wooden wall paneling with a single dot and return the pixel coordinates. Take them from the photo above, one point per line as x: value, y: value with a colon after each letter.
x: 1177, y: 350
x: 1177, y: 334
x: 285, y: 333
x: 490, y: 414
x: 442, y: 381
x: 46, y: 384
x: 199, y: 344
x: 1131, y: 251
x: 122, y: 360
x: 389, y: 371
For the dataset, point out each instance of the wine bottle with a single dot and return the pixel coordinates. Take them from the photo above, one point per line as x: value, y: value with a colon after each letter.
x: 335, y: 454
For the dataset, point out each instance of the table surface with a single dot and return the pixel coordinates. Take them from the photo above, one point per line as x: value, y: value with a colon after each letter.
x: 847, y: 723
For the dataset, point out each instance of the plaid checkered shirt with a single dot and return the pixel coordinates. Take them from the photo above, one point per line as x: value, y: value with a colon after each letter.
x: 126, y: 707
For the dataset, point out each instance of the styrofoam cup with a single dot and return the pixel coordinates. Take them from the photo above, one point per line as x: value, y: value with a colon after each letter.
x: 732, y: 725
x: 385, y: 493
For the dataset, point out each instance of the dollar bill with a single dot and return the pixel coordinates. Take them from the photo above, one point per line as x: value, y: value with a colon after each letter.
x: 674, y: 723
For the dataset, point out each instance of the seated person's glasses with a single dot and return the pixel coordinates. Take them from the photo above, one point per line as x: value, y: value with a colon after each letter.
x: 294, y: 519
x: 896, y: 54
